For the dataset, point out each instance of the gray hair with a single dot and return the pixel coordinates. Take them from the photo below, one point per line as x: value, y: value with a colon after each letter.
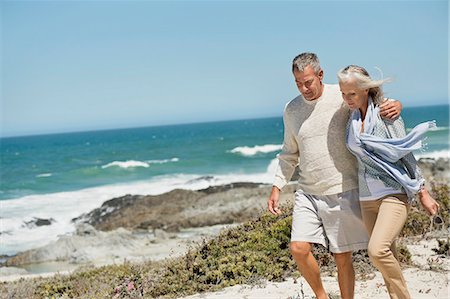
x: 301, y: 61
x: 363, y: 81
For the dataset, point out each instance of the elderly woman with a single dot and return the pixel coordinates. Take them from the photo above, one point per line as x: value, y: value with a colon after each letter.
x: 389, y: 178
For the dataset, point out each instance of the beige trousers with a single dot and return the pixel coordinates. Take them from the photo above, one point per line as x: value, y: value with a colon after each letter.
x: 384, y: 219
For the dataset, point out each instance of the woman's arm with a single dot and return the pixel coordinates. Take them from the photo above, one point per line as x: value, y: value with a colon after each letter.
x: 428, y: 203
x: 390, y: 109
x: 396, y: 129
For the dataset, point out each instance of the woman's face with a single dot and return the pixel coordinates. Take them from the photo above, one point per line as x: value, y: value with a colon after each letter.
x: 355, y: 97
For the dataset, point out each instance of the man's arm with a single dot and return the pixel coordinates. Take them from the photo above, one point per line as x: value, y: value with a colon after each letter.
x: 272, y: 203
x: 390, y: 109
x: 287, y: 160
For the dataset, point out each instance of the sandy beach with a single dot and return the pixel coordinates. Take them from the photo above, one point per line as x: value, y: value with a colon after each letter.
x: 423, y: 284
x: 422, y: 281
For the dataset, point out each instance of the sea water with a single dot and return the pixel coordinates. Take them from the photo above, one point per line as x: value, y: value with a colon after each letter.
x: 61, y: 176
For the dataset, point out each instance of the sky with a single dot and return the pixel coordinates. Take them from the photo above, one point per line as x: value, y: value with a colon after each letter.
x: 92, y: 65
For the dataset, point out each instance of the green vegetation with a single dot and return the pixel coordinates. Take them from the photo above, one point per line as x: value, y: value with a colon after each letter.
x: 255, y: 251
x: 443, y: 247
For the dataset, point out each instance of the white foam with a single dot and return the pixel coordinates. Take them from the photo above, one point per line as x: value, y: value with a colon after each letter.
x: 44, y: 175
x: 133, y: 163
x: 126, y: 164
x: 163, y: 161
x: 251, y: 151
x: 439, y: 129
x: 64, y: 206
x: 433, y: 155
x: 431, y: 129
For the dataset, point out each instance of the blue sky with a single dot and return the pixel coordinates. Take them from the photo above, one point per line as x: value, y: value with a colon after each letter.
x: 85, y: 65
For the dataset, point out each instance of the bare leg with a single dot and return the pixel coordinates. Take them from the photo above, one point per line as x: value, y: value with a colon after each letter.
x: 346, y: 274
x: 307, y: 265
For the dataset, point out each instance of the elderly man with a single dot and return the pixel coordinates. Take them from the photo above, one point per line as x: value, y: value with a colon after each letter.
x: 326, y: 209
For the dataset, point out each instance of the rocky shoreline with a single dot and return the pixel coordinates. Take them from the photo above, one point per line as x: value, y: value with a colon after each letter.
x: 136, y: 228
x: 435, y: 171
x: 179, y: 208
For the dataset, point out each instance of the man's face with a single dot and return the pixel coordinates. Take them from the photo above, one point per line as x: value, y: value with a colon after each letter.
x: 309, y: 83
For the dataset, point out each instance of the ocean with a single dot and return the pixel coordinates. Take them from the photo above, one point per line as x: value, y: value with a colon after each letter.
x: 61, y: 176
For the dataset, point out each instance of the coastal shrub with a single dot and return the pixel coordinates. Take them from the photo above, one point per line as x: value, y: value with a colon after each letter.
x: 88, y: 282
x: 255, y: 251
x: 442, y: 194
x: 403, y: 254
x: 443, y: 248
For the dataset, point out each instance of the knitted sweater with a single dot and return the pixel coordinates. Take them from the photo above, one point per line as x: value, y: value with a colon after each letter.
x: 314, y: 139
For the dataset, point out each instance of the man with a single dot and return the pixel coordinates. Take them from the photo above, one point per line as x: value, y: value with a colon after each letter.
x: 326, y: 209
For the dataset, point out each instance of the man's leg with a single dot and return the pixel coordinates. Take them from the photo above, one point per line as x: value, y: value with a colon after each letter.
x: 346, y: 274
x: 307, y: 265
x: 346, y: 233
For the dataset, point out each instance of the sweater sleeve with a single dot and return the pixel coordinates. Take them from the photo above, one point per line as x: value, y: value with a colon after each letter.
x: 396, y: 129
x: 288, y: 157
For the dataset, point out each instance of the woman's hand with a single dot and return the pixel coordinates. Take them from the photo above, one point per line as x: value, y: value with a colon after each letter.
x: 428, y: 203
x: 390, y: 109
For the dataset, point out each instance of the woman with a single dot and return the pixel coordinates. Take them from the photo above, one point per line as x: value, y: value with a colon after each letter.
x: 389, y: 178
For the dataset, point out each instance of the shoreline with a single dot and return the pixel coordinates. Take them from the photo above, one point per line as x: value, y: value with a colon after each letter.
x: 158, y: 248
x: 177, y: 220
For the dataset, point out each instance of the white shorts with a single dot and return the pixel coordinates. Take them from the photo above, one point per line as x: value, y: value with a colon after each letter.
x: 331, y: 220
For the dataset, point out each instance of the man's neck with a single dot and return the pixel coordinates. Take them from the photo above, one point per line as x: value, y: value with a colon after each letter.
x: 322, y: 87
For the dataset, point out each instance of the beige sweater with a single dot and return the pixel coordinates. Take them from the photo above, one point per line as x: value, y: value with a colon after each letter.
x: 314, y: 139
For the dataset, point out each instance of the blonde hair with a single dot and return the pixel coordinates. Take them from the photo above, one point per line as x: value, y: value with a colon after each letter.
x: 364, y: 81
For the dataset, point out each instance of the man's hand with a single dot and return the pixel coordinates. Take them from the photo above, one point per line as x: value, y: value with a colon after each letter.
x: 272, y: 203
x: 390, y: 109
x: 428, y: 202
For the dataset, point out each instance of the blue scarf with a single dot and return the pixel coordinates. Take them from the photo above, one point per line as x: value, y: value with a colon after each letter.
x: 386, y: 152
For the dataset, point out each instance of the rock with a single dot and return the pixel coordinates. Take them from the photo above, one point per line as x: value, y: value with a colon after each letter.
x: 161, y: 234
x: 141, y: 212
x: 84, y: 229
x: 38, y: 222
x: 105, y: 234
x: 202, y: 178
x: 108, y: 208
x: 177, y: 209
x: 4, y: 258
x: 85, y: 245
x: 435, y: 171
x: 7, y: 271
x: 223, y: 188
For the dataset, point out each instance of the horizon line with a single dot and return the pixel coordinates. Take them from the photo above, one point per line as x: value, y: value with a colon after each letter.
x: 138, y: 127
x: 161, y: 125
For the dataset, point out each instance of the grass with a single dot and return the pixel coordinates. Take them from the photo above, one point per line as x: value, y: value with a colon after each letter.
x: 248, y: 254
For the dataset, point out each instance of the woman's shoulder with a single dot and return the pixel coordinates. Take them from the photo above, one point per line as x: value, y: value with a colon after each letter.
x: 396, y: 122
x: 393, y: 127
